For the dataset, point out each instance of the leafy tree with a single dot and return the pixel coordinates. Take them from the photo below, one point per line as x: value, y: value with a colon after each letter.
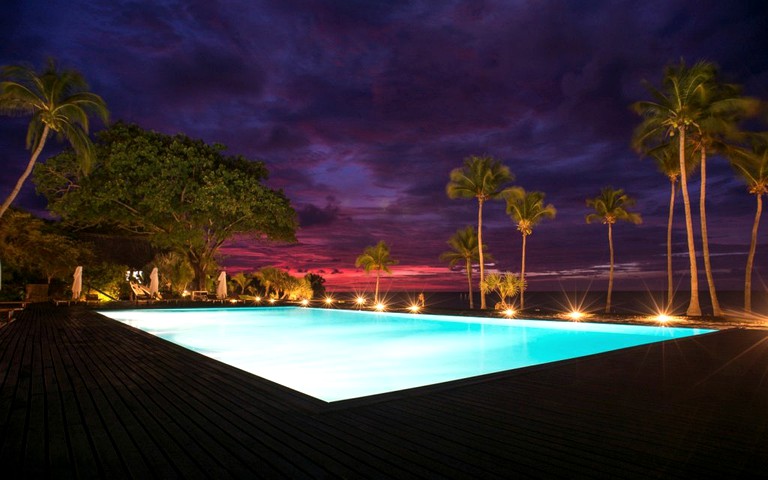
x: 317, y: 282
x: 270, y: 277
x: 752, y: 166
x: 174, y: 271
x: 611, y: 206
x: 465, y: 247
x: 506, y: 286
x: 59, y: 102
x: 483, y: 178
x: 376, y: 258
x: 186, y: 196
x: 673, y: 112
x: 241, y: 281
x: 527, y: 209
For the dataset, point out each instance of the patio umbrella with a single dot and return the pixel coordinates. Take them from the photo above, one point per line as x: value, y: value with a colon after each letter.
x: 221, y: 288
x: 77, y: 283
x: 154, y: 283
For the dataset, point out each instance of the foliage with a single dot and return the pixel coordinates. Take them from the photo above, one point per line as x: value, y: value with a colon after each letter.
x: 283, y: 285
x: 106, y: 277
x: 317, y: 282
x: 58, y: 101
x: 240, y: 281
x: 611, y: 206
x: 483, y: 178
x: 175, y: 272
x: 527, y: 209
x: 465, y: 248
x: 506, y: 285
x: 376, y: 257
x: 185, y: 195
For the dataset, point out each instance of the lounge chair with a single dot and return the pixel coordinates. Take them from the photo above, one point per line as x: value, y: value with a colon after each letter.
x: 140, y: 294
x: 201, y: 296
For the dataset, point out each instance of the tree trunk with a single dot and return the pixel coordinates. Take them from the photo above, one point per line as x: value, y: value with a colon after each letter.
x: 670, y: 281
x: 480, y: 247
x: 469, y: 282
x: 704, y: 241
x: 693, y: 307
x: 522, y: 276
x: 610, y: 271
x: 27, y: 172
x: 751, y: 256
x: 376, y: 292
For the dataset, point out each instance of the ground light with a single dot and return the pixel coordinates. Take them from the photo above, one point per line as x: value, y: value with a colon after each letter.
x: 575, y: 315
x: 510, y: 312
x: 380, y: 307
x: 414, y: 308
x: 360, y: 301
x: 258, y: 299
x: 271, y: 300
x: 328, y: 301
x: 304, y: 302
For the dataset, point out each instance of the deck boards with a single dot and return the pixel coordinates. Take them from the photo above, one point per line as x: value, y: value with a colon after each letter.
x: 82, y: 396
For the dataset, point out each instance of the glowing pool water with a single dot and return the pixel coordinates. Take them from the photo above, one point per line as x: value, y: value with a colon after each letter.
x: 340, y: 354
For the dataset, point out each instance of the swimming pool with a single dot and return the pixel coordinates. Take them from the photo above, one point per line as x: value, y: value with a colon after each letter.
x: 340, y: 354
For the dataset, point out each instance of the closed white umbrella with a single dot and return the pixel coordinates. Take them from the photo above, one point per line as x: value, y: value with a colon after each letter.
x: 221, y: 288
x: 77, y: 283
x: 154, y: 283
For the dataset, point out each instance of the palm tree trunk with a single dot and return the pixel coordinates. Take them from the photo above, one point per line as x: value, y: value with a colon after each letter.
x: 480, y: 247
x: 704, y: 241
x: 693, y: 306
x: 27, y: 172
x: 670, y: 286
x: 610, y: 271
x: 522, y: 276
x: 751, y: 256
x: 376, y: 292
x: 469, y: 282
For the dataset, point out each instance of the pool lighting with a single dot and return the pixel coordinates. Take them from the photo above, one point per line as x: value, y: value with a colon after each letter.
x: 258, y: 299
x: 304, y: 302
x: 510, y: 312
x: 414, y: 308
x: 663, y: 318
x: 271, y: 300
x: 575, y: 315
x: 328, y: 301
x: 360, y: 300
x: 380, y: 307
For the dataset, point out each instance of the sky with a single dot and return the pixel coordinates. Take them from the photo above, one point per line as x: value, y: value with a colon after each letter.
x: 360, y: 109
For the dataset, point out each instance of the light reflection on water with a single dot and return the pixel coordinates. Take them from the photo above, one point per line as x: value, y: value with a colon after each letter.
x: 339, y: 354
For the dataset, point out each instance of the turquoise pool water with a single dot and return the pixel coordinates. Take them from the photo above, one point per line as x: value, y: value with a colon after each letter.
x: 340, y: 354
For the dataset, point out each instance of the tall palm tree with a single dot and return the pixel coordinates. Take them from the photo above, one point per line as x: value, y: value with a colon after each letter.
x: 527, y: 209
x: 722, y: 109
x: 674, y: 111
x: 376, y: 258
x: 752, y: 166
x: 59, y: 102
x: 483, y: 178
x: 611, y: 206
x: 464, y: 247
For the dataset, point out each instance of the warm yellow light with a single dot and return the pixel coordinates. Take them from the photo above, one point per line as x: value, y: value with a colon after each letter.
x: 258, y: 299
x: 662, y: 318
x: 360, y: 300
x: 510, y: 312
x: 380, y: 307
x: 271, y: 300
x: 185, y: 293
x: 328, y: 300
x: 304, y: 302
x: 232, y: 300
x: 414, y: 308
x: 575, y: 315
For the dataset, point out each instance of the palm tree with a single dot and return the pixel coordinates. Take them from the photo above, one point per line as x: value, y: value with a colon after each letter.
x: 241, y: 281
x: 58, y: 101
x: 752, y: 165
x: 722, y: 109
x: 527, y: 209
x: 611, y: 206
x: 506, y: 286
x: 674, y: 111
x: 483, y: 178
x: 464, y: 248
x: 376, y: 258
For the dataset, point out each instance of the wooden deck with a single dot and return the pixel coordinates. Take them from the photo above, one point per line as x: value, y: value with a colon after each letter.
x: 83, y: 396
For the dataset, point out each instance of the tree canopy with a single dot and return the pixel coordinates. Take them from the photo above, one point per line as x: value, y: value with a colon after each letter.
x: 185, y: 195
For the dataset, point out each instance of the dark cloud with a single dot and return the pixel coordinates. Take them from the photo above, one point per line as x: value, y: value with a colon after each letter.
x: 372, y: 103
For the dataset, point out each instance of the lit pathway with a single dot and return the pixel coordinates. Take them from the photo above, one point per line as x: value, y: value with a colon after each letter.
x: 84, y: 396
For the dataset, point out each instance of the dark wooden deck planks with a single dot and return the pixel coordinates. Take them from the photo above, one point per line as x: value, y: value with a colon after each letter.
x: 83, y: 396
